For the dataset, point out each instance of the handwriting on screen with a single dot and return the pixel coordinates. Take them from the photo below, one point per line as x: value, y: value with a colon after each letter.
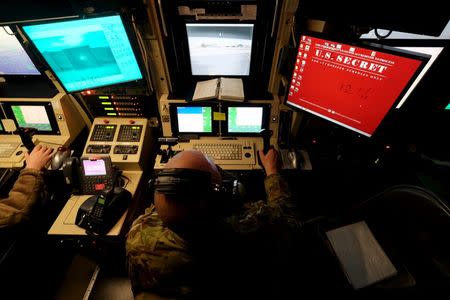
x: 361, y: 92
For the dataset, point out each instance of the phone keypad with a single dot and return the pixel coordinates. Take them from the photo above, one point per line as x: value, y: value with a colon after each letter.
x: 97, y: 211
x: 94, y: 184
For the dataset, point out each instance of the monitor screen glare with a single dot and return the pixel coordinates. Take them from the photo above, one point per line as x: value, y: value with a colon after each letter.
x: 13, y: 58
x: 220, y: 49
x: 86, y: 53
x: 245, y: 119
x: 34, y: 116
x: 349, y: 85
x: 194, y: 119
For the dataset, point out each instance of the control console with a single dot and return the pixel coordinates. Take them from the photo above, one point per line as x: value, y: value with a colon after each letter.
x: 120, y: 138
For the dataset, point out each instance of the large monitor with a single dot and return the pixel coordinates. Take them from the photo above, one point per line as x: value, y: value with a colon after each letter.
x: 192, y: 119
x: 353, y: 85
x: 87, y: 53
x: 220, y: 49
x: 434, y: 53
x: 13, y: 58
x: 245, y: 119
x: 38, y: 115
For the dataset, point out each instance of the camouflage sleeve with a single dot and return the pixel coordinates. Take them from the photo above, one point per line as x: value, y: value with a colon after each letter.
x: 21, y: 198
x: 279, y: 209
x: 156, y: 257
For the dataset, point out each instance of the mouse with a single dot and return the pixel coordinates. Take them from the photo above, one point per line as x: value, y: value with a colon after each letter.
x: 59, y: 157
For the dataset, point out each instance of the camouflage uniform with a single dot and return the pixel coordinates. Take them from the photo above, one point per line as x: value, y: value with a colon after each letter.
x: 21, y: 198
x: 160, y: 261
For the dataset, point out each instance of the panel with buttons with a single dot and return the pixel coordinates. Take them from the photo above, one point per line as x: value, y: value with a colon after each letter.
x: 98, y: 149
x: 126, y: 149
x: 103, y: 133
x: 129, y: 133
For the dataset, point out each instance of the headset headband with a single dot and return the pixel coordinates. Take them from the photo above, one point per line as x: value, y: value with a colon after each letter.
x: 182, y: 181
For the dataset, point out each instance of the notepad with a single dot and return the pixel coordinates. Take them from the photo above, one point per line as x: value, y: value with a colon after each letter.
x: 361, y: 257
x: 231, y: 89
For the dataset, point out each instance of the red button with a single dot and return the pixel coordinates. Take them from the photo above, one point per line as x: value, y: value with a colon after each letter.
x: 106, y: 121
x: 99, y: 186
x: 132, y: 121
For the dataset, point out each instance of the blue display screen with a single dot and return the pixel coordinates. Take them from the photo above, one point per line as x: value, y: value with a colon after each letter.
x: 86, y: 53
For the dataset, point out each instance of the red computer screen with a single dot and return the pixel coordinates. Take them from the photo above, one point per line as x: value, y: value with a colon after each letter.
x: 349, y: 85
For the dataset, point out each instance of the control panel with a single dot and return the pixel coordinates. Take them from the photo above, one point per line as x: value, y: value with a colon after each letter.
x: 98, y: 149
x: 130, y: 133
x: 103, y: 133
x: 123, y: 139
x: 119, y: 105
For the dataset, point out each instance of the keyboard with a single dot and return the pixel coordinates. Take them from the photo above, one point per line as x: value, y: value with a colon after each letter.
x: 8, y: 149
x: 227, y: 152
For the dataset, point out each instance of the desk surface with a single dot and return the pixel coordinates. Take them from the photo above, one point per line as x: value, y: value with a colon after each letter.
x: 65, y: 222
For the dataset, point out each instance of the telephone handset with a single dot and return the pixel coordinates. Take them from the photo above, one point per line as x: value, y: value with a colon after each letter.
x: 99, y: 213
x: 90, y: 176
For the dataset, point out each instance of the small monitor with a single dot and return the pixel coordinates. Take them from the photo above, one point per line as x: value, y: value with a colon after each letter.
x: 353, y: 85
x: 245, y: 119
x: 13, y: 58
x: 220, y: 49
x: 38, y: 115
x: 94, y: 167
x: 194, y: 119
x: 87, y: 53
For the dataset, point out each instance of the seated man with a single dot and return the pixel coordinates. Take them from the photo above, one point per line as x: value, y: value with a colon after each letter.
x: 182, y: 247
x: 26, y: 190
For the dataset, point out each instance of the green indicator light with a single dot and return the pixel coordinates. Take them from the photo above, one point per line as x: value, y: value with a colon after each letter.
x: 448, y: 106
x: 111, y: 114
x: 109, y: 108
x: 106, y: 103
x: 103, y: 97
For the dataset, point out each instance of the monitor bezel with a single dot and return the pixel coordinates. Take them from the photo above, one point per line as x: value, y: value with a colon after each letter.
x: 423, y: 58
x: 30, y: 56
x: 2, y: 127
x: 7, y: 106
x: 265, y: 124
x: 131, y: 39
x: 174, y: 119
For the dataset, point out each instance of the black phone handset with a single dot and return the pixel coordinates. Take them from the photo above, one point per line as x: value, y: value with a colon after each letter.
x: 98, y: 214
x: 26, y: 135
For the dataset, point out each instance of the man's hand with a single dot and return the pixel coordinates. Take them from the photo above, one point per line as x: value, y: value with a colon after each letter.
x: 38, y: 158
x: 269, y: 161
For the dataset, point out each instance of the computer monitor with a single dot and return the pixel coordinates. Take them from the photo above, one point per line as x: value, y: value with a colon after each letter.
x: 220, y: 49
x: 447, y: 107
x: 87, y: 53
x: 434, y: 53
x: 38, y: 115
x: 353, y: 85
x: 13, y: 58
x: 193, y: 119
x: 245, y: 119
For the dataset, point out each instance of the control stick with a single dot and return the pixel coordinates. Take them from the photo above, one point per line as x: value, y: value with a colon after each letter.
x: 266, y: 134
x: 26, y: 135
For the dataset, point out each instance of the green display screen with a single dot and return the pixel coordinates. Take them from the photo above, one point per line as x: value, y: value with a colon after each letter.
x: 34, y: 116
x: 245, y: 119
x: 101, y: 200
x: 448, y: 106
x: 1, y: 127
x: 194, y: 119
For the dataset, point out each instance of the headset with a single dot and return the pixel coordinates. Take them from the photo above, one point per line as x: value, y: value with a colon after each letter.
x: 196, y: 183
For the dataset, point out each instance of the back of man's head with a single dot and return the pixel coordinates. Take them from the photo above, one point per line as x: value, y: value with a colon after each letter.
x: 181, y: 210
